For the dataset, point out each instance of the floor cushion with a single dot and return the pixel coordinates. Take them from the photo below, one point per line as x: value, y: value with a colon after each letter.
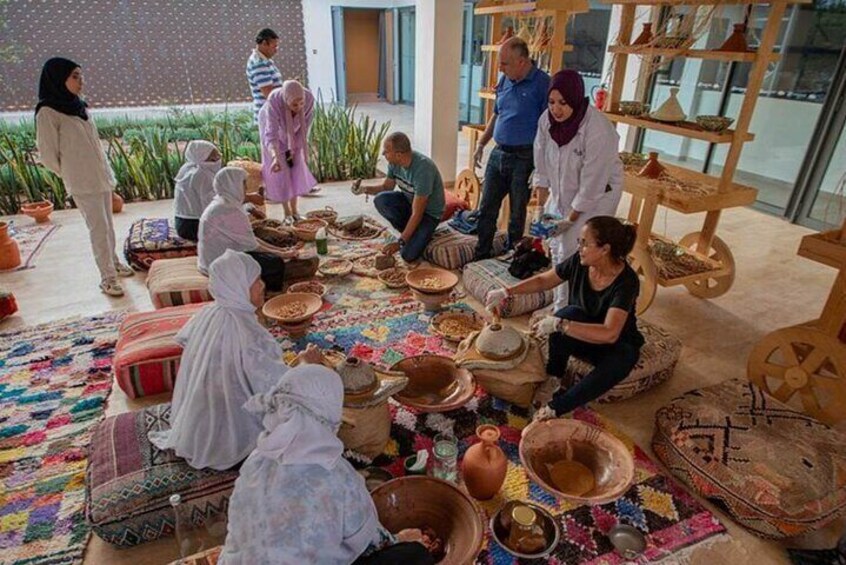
x: 146, y: 356
x: 175, y: 282
x: 129, y: 481
x: 483, y: 276
x: 452, y: 249
x: 150, y: 239
x: 658, y: 359
x: 776, y: 471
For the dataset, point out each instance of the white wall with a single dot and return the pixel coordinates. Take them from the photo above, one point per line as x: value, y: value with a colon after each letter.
x: 319, y: 42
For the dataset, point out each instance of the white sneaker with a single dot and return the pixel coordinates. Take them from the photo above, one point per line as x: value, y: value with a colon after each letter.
x: 111, y: 287
x: 314, y: 190
x: 124, y: 270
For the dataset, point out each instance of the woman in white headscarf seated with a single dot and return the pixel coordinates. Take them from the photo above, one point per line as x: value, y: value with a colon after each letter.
x: 225, y: 225
x: 194, y: 187
x: 297, y: 500
x: 227, y: 357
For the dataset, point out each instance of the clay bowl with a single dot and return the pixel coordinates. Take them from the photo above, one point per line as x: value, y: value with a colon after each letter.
x: 421, y: 502
x: 550, y: 441
x: 501, y: 527
x: 714, y: 123
x: 312, y: 302
x: 307, y: 229
x: 312, y: 286
x: 38, y: 211
x: 421, y: 280
x: 435, y: 384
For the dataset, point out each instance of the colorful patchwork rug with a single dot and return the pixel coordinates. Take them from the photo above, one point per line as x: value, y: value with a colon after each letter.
x: 54, y: 380
x: 31, y: 239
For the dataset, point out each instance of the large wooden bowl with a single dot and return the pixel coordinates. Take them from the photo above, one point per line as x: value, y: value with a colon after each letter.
x: 419, y: 502
x: 446, y: 280
x: 435, y: 384
x: 549, y: 441
x: 312, y: 302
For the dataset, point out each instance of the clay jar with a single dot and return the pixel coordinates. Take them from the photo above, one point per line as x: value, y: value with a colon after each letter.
x: 484, y: 465
x: 652, y: 169
x: 10, y: 255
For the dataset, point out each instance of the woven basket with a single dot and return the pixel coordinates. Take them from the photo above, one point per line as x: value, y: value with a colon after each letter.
x: 254, y: 180
x: 371, y: 431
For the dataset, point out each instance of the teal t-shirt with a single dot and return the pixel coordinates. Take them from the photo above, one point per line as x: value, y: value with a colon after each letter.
x: 421, y: 178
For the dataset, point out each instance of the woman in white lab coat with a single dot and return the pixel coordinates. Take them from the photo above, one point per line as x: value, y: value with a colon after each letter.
x: 578, y: 172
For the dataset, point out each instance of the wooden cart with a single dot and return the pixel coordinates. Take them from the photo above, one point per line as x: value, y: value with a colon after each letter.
x: 700, y: 261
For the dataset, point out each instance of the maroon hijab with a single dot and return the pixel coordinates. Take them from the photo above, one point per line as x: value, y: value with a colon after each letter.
x: 572, y: 88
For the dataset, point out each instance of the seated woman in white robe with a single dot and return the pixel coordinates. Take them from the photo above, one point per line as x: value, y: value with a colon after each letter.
x: 297, y: 500
x: 194, y: 189
x: 228, y: 357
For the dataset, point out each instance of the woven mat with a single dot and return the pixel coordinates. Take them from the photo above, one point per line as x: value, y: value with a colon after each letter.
x: 31, y: 239
x: 54, y: 380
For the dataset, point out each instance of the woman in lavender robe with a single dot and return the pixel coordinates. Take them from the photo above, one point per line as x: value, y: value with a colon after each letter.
x: 284, y: 122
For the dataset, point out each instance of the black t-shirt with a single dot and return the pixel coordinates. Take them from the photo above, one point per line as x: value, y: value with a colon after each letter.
x: 621, y: 293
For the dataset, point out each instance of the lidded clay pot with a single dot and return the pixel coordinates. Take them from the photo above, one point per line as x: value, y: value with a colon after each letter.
x: 358, y: 377
x: 499, y: 342
x: 484, y: 465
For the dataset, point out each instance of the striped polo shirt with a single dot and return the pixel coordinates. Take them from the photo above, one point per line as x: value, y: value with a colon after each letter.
x: 261, y: 71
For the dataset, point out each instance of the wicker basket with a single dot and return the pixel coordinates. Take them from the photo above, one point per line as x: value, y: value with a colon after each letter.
x: 254, y: 180
x: 307, y: 229
x: 371, y: 430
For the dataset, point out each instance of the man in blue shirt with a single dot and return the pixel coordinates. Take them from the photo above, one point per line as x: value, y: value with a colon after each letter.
x: 521, y: 98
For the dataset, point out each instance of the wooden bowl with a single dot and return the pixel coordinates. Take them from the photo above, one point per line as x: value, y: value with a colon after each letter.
x: 312, y: 302
x: 435, y: 384
x: 550, y: 441
x: 501, y: 526
x: 430, y: 280
x: 312, y: 286
x: 421, y: 502
x: 328, y: 215
x: 307, y: 229
x: 38, y: 211
x: 335, y: 267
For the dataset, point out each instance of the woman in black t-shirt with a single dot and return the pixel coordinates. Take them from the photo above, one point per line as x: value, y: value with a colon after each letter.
x: 599, y: 324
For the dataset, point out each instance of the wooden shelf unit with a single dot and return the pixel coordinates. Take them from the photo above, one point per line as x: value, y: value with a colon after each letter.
x: 726, y: 56
x: 684, y: 129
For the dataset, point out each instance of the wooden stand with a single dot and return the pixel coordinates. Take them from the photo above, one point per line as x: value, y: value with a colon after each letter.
x: 700, y: 261
x: 805, y: 365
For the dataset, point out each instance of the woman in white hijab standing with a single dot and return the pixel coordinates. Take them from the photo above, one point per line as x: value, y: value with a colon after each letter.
x: 224, y: 225
x: 296, y: 499
x: 194, y: 188
x: 227, y: 357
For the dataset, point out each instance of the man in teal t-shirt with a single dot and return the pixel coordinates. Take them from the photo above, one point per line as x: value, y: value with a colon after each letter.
x: 414, y: 210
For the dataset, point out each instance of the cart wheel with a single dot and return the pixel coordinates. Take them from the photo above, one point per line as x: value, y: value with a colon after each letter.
x: 642, y: 263
x: 467, y: 188
x: 802, y: 367
x: 711, y: 287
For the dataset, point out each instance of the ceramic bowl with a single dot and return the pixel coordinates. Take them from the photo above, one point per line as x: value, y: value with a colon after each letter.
x: 312, y: 286
x: 550, y: 441
x: 435, y: 384
x: 430, y: 280
x: 501, y: 526
x: 427, y: 502
x: 499, y: 342
x: 633, y: 108
x: 714, y: 123
x: 307, y: 229
x: 312, y: 302
x: 38, y: 211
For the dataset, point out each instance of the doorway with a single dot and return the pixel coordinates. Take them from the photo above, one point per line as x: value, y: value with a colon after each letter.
x: 406, y: 41
x: 362, y: 54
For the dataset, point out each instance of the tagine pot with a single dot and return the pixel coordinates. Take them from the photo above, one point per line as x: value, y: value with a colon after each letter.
x: 117, y: 203
x: 652, y: 169
x: 484, y: 465
x: 10, y: 255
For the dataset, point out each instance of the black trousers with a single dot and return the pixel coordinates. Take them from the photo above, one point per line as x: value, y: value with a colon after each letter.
x: 398, y: 554
x: 187, y: 229
x: 272, y: 269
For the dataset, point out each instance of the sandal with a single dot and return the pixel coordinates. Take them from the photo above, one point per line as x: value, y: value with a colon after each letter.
x: 111, y: 287
x: 124, y: 270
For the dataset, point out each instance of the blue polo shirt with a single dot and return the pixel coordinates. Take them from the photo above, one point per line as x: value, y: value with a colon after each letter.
x: 519, y: 105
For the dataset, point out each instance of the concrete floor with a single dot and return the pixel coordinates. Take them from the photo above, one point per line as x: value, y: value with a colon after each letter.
x: 773, y: 288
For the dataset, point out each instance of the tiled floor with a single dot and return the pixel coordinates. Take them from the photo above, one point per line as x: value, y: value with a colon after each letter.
x: 774, y: 288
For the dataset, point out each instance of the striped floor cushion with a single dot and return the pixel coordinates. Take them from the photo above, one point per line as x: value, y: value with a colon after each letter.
x: 175, y: 282
x: 146, y: 356
x: 483, y: 276
x: 151, y: 239
x: 452, y: 249
x: 129, y: 481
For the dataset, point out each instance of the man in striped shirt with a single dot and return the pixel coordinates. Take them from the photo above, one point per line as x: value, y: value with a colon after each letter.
x: 262, y: 73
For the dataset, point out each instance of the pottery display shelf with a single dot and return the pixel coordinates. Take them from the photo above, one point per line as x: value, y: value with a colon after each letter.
x: 701, y: 261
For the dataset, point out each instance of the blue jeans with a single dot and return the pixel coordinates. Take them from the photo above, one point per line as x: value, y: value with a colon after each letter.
x: 611, y: 362
x: 506, y: 174
x: 395, y: 207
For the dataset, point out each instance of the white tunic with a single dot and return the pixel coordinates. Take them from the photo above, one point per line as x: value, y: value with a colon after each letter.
x: 194, y: 187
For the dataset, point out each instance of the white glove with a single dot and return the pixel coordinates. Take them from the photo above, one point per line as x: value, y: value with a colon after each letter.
x: 548, y: 325
x: 495, y: 297
x: 560, y: 227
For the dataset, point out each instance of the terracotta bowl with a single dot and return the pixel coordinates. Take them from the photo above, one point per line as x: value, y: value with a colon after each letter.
x: 435, y: 384
x: 445, y: 280
x: 420, y: 502
x: 312, y: 286
x: 307, y: 229
x: 547, y: 442
x: 38, y: 211
x: 501, y: 526
x: 312, y: 302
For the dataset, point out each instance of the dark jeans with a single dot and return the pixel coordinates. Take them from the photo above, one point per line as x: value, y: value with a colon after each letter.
x: 272, y: 269
x: 403, y: 553
x: 611, y: 364
x: 395, y: 207
x: 507, y: 173
x: 187, y: 229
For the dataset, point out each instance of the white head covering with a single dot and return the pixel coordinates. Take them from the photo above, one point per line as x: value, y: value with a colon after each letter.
x: 296, y: 499
x: 228, y: 357
x: 224, y: 224
x: 193, y: 190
